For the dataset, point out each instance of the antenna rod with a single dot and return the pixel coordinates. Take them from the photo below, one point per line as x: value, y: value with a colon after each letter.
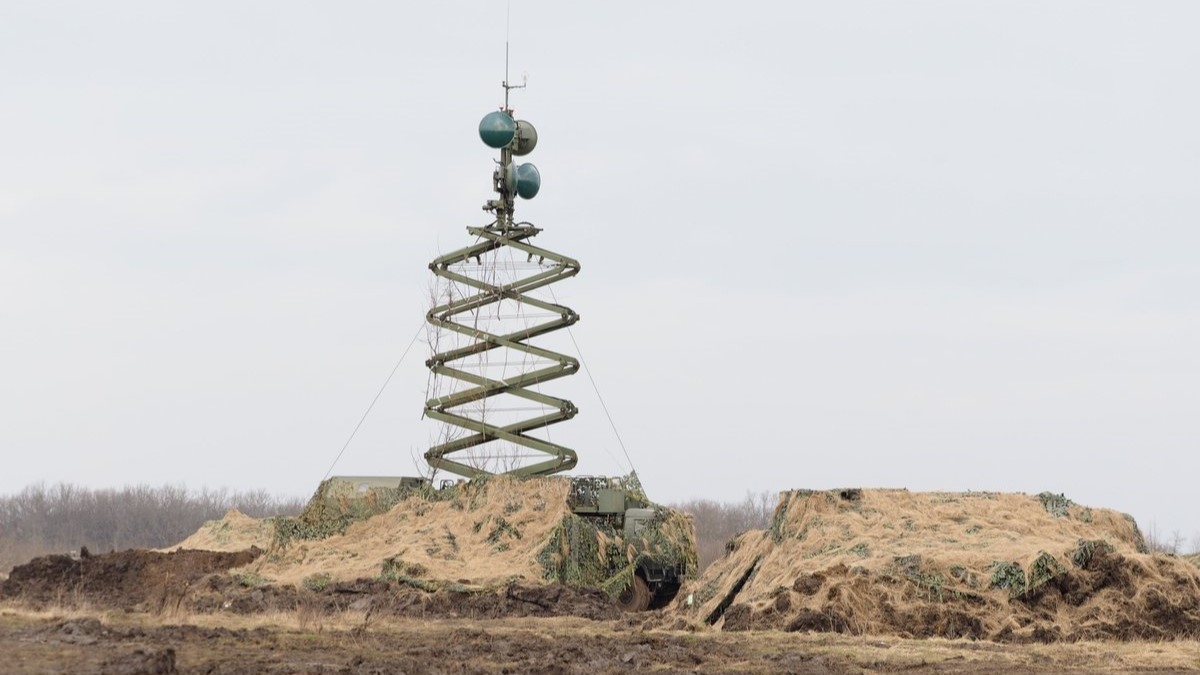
x: 507, y: 32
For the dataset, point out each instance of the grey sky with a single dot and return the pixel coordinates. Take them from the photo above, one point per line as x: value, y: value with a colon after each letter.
x: 934, y: 245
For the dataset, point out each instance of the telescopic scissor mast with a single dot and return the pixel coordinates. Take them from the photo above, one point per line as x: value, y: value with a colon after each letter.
x: 491, y: 308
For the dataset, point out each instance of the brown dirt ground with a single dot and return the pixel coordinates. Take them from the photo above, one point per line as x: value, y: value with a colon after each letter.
x: 356, y: 643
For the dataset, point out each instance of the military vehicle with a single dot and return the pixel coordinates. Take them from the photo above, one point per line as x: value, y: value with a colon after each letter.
x: 610, y: 505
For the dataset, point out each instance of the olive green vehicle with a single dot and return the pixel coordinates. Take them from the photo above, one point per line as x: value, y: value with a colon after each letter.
x: 663, y: 555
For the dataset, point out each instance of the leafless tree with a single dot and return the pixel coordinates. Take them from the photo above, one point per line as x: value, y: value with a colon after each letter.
x: 718, y: 522
x: 62, y: 517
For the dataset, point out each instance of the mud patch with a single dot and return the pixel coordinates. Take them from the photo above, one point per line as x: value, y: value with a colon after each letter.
x: 223, y: 594
x: 135, y: 580
x: 198, y: 581
x: 154, y: 662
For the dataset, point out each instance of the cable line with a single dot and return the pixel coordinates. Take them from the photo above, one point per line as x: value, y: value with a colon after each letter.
x: 374, y: 400
x: 596, y: 388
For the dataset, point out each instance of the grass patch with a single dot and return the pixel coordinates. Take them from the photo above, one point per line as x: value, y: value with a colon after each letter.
x: 251, y: 579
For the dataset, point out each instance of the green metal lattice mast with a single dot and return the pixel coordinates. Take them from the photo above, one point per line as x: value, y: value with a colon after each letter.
x: 471, y: 312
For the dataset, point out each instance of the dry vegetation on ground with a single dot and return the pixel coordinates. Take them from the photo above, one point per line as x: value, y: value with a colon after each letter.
x: 351, y: 642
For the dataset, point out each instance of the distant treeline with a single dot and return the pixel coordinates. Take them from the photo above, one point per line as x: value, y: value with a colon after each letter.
x: 59, y: 518
x: 717, y: 523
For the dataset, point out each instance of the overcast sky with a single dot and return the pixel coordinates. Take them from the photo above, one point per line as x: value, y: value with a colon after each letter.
x: 934, y: 245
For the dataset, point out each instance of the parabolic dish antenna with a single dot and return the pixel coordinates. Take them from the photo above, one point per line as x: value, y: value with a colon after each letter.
x: 497, y: 129
x: 529, y: 181
x: 526, y: 139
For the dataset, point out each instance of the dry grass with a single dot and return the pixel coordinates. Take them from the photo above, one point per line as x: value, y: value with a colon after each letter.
x: 892, y: 653
x: 482, y: 536
x: 872, y: 653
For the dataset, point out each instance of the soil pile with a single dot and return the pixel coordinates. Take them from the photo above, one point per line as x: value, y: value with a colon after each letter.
x: 133, y: 580
x: 1008, y: 567
x: 184, y: 581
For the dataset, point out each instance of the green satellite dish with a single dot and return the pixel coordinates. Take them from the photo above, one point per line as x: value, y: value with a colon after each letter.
x: 497, y: 129
x: 529, y: 181
x: 526, y: 139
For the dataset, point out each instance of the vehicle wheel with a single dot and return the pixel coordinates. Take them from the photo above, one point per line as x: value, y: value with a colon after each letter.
x: 635, y: 597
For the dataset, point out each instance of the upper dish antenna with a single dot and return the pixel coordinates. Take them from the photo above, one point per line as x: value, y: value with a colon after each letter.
x: 513, y: 138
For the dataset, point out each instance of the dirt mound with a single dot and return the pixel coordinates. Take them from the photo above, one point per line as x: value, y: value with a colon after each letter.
x: 235, y: 532
x: 1008, y: 567
x: 381, y: 598
x: 136, y: 580
x: 196, y: 581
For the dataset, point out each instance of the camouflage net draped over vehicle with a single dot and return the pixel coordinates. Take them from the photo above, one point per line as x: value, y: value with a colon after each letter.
x: 584, y: 552
x: 479, y: 534
x: 335, y: 505
x: 979, y: 565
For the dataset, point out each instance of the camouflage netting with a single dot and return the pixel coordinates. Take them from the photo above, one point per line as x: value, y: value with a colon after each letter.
x: 587, y: 553
x: 333, y: 507
x: 234, y: 532
x: 1007, y: 567
x: 476, y: 536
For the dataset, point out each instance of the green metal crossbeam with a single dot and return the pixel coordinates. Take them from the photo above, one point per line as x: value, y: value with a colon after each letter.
x: 473, y: 300
x: 458, y: 315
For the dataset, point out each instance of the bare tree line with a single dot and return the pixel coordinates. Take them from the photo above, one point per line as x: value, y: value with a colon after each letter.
x: 55, y: 519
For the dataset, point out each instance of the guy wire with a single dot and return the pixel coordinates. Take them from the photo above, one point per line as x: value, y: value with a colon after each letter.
x: 596, y: 388
x: 374, y: 400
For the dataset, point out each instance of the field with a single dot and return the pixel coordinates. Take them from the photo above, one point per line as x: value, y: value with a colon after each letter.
x: 81, y: 641
x: 849, y: 581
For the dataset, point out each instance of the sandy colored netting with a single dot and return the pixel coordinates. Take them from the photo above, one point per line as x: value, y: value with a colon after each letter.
x: 979, y: 565
x: 578, y: 553
x: 234, y: 532
x: 483, y: 533
x: 475, y: 536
